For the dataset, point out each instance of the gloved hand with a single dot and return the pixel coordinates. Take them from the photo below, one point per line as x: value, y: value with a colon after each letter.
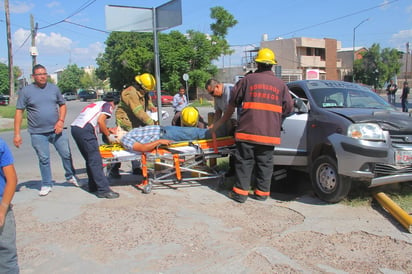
x: 112, y: 138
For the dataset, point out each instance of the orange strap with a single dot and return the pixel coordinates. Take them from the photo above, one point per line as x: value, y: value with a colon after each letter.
x: 177, y: 166
x: 240, y: 191
x: 215, y: 150
x: 261, y: 193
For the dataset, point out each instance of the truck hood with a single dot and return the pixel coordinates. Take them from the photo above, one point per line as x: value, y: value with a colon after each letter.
x: 393, y: 121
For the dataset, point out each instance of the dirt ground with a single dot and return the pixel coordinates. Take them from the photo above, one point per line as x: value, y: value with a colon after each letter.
x: 196, y: 228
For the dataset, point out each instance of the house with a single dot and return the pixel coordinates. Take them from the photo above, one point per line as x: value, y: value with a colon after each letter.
x: 304, y: 58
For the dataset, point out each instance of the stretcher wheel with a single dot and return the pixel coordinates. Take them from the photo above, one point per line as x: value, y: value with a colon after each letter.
x: 148, y: 188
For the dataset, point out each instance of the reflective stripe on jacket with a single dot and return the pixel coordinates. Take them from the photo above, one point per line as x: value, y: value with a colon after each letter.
x: 263, y: 98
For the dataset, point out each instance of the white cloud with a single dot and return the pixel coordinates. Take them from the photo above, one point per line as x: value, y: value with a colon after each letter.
x: 53, y: 4
x: 385, y: 4
x: 18, y: 6
x: 86, y: 56
x: 399, y: 39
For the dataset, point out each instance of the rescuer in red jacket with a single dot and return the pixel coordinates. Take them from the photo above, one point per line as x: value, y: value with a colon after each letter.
x: 264, y: 98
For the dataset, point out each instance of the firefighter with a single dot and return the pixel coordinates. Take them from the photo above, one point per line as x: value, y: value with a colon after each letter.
x: 190, y: 118
x: 132, y: 111
x: 134, y: 102
x: 264, y: 98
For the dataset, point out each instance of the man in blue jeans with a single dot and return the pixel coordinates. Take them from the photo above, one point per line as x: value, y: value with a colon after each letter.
x: 46, y: 111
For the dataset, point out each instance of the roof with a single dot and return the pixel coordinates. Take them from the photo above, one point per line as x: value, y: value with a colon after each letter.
x: 351, y: 49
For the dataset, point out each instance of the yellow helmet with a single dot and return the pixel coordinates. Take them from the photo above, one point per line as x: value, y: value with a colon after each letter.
x: 189, y: 116
x: 266, y: 56
x: 146, y: 80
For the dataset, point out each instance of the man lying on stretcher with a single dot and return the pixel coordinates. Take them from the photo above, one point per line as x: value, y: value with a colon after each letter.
x: 143, y: 139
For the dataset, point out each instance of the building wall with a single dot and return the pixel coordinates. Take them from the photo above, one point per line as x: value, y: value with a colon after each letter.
x: 304, y: 53
x: 331, y: 59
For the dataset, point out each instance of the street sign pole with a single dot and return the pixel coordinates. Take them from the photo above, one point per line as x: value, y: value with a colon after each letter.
x: 186, y: 77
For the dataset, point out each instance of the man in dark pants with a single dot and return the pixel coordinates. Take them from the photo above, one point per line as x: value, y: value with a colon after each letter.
x: 264, y: 99
x: 90, y: 122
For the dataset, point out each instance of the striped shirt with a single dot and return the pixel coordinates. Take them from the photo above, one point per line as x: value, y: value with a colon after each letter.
x: 141, y: 135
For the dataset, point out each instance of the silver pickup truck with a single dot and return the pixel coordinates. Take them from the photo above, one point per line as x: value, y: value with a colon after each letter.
x: 342, y: 131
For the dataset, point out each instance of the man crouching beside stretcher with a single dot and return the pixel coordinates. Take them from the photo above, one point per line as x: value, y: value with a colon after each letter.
x: 144, y: 139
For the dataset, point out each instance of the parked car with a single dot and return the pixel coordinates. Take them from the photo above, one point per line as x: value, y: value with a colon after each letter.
x: 68, y: 96
x: 342, y: 132
x: 4, y: 100
x: 85, y: 95
x: 165, y: 98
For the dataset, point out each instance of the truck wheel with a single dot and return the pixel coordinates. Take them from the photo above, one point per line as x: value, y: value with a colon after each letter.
x: 326, y: 182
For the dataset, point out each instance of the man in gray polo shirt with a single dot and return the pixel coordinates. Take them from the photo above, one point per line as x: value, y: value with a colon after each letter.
x: 46, y: 111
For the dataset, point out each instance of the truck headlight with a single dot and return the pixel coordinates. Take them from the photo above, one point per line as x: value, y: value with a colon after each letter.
x: 366, y: 131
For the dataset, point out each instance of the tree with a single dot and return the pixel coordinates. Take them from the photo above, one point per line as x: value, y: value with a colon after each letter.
x: 69, y: 80
x: 128, y: 54
x: 90, y: 81
x: 377, y: 66
x: 4, y: 78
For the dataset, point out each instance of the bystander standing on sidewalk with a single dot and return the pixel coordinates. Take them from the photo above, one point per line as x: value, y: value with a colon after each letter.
x: 404, y: 97
x: 46, y: 111
x: 391, y: 91
x: 179, y: 103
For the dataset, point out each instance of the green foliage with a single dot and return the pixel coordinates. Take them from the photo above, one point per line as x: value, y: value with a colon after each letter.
x: 4, y: 78
x: 377, y: 66
x: 90, y: 81
x: 69, y: 80
x: 128, y: 54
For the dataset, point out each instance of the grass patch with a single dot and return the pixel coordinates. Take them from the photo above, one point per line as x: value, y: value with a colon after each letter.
x: 8, y: 112
x: 201, y: 103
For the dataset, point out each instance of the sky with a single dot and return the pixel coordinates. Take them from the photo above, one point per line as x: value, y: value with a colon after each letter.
x: 74, y: 32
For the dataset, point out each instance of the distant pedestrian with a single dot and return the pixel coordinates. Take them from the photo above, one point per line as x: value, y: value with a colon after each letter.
x: 8, y: 182
x: 391, y: 91
x: 46, y: 111
x: 90, y: 122
x: 404, y: 97
x: 179, y: 102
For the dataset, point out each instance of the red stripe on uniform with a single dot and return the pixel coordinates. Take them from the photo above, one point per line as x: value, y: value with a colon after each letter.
x: 262, y: 106
x: 257, y: 138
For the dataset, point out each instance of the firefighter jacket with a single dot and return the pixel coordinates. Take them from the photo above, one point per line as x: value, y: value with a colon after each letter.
x: 263, y: 98
x: 131, y: 111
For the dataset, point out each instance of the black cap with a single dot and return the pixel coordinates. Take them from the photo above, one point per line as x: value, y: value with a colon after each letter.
x: 111, y: 97
x: 108, y: 97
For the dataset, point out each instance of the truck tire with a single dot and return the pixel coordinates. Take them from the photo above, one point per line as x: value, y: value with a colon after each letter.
x: 328, y: 185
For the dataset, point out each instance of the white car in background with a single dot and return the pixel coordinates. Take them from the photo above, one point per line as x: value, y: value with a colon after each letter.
x: 69, y: 96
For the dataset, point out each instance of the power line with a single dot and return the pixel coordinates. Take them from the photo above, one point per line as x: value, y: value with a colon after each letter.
x: 83, y: 26
x: 84, y: 6
x: 341, y: 17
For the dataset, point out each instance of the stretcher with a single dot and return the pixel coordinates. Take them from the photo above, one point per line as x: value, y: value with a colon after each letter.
x: 180, y: 162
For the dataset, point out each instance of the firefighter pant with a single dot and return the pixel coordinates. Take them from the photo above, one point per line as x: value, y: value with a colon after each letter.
x: 253, y: 159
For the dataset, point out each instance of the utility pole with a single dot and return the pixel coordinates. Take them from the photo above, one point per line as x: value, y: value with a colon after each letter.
x: 407, y: 57
x: 33, y: 50
x: 9, y: 50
